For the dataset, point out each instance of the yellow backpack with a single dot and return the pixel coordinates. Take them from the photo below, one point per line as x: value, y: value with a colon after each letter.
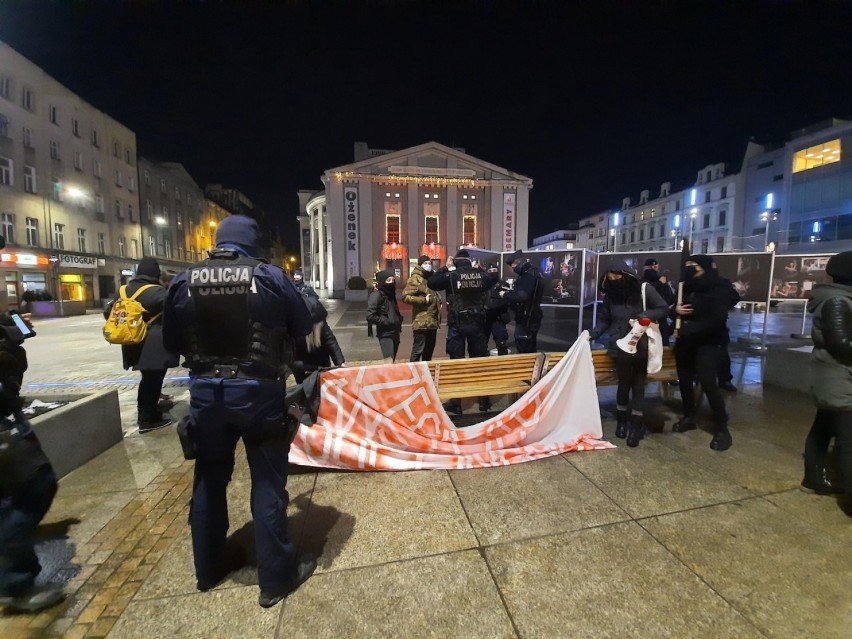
x: 125, y: 325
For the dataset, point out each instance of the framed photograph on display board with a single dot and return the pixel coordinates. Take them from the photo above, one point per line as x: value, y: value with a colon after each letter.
x: 794, y: 276
x: 669, y: 262
x: 749, y: 273
x: 590, y: 278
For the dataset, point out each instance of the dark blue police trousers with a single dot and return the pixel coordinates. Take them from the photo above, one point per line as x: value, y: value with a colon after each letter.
x: 222, y: 411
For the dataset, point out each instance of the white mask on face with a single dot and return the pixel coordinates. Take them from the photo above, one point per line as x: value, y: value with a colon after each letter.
x: 426, y: 266
x: 298, y: 278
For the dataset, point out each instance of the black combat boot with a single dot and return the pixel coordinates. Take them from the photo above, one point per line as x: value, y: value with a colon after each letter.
x: 502, y: 349
x: 722, y: 440
x: 453, y: 406
x: 684, y: 424
x: 817, y: 481
x: 635, y: 431
x: 622, y: 420
x: 484, y: 404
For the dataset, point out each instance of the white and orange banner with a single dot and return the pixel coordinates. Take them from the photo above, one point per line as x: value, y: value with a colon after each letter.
x: 389, y: 417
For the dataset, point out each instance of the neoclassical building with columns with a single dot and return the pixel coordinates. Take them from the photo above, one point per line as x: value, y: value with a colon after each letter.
x: 389, y: 207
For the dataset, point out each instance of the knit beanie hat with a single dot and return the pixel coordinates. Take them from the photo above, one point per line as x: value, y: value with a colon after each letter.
x: 704, y: 261
x: 423, y: 259
x: 840, y: 267
x: 148, y: 266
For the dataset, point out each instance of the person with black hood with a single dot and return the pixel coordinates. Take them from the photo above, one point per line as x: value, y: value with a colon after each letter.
x: 627, y: 300
x: 150, y: 357
x: 425, y: 310
x: 383, y: 313
x: 651, y: 275
x: 703, y: 313
x: 724, y: 374
x: 319, y: 349
x: 467, y: 287
x: 831, y: 381
x: 497, y: 312
x: 525, y: 300
x: 234, y: 318
x: 299, y: 281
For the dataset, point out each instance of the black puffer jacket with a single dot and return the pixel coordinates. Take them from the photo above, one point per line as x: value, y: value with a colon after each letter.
x: 525, y: 297
x: 383, y: 313
x: 831, y: 359
x: 711, y: 297
x: 328, y: 351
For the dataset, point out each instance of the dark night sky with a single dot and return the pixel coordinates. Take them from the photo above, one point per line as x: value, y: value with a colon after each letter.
x: 593, y: 100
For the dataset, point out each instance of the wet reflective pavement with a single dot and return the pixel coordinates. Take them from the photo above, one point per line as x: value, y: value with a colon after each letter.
x: 669, y: 539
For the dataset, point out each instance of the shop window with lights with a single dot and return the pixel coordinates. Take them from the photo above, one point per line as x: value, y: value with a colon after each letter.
x: 469, y: 230
x: 814, y: 156
x: 392, y: 229
x: 431, y: 234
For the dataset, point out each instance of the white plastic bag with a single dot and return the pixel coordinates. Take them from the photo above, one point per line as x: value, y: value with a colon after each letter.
x: 655, y: 341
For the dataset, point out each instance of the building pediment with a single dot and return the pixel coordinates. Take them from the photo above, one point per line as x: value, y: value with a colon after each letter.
x: 430, y: 160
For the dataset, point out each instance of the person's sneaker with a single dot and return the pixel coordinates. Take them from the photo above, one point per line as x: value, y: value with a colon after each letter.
x: 728, y: 386
x: 684, y: 424
x: 37, y: 599
x: 721, y: 440
x: 304, y: 570
x: 147, y: 427
x: 453, y: 407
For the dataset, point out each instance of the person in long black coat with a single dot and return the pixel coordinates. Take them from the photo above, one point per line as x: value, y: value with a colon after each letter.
x: 320, y: 348
x: 150, y: 357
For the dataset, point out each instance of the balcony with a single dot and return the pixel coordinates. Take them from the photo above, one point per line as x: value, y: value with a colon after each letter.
x: 435, y: 251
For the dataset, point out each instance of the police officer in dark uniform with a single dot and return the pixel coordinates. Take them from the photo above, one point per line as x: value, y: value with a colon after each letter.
x: 497, y: 312
x: 467, y: 289
x: 234, y: 318
x: 525, y: 301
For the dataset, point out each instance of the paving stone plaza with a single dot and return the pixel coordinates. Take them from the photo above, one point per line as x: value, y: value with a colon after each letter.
x: 670, y: 539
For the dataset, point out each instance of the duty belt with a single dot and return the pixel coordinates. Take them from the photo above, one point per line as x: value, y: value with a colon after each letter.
x: 231, y: 371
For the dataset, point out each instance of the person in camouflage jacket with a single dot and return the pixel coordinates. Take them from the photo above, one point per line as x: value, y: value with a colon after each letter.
x: 425, y: 310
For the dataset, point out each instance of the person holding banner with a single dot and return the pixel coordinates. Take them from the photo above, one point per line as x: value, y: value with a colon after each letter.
x: 703, y: 312
x: 626, y: 301
x: 831, y: 381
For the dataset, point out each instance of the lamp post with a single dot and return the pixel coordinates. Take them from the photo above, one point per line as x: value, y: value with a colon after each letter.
x: 614, y: 232
x: 692, y: 215
x: 766, y: 217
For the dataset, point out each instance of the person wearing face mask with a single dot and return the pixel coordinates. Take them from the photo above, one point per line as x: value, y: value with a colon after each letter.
x: 703, y: 312
x: 425, y: 310
x: 623, y: 302
x: 497, y: 312
x: 831, y: 381
x: 525, y: 301
x: 299, y: 282
x: 651, y: 275
x: 467, y: 288
x: 383, y: 313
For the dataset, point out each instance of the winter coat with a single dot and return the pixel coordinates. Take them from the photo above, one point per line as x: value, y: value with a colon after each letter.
x: 711, y: 297
x: 614, y: 314
x: 525, y: 297
x: 424, y: 315
x: 151, y: 354
x: 304, y: 360
x: 383, y: 313
x: 831, y: 359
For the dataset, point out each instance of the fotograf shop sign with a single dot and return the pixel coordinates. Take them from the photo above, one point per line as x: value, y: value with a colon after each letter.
x: 78, y: 261
x: 508, y: 221
x: 350, y: 213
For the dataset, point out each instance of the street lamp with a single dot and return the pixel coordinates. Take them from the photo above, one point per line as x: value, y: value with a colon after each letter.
x: 613, y: 232
x: 766, y: 217
x: 692, y: 215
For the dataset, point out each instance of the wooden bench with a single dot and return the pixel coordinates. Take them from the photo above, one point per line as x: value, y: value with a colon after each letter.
x: 606, y: 375
x: 487, y: 376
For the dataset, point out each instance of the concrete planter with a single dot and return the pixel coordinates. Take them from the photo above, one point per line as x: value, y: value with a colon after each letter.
x: 73, y: 434
x: 52, y: 309
x: 355, y: 296
x: 788, y: 368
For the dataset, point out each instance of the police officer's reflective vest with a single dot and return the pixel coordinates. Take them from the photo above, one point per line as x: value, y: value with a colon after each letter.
x: 223, y: 338
x: 467, y: 295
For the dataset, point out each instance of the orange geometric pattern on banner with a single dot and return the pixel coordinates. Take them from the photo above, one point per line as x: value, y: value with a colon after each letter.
x: 390, y: 418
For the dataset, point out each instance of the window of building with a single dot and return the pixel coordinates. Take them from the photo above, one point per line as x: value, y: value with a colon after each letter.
x: 632, y: 236
x: 720, y: 244
x: 116, y: 149
x: 75, y: 127
x: 118, y: 212
x: 134, y: 247
x: 78, y: 160
x: 99, y: 203
x: 54, y: 150
x: 7, y: 222
x: 152, y: 245
x: 814, y: 156
x: 162, y: 185
x: 723, y: 217
x: 677, y: 205
x: 651, y: 230
x: 189, y: 199
x: 705, y: 246
x: 128, y: 156
x: 177, y: 194
x: 147, y: 177
x: 30, y: 184
x: 663, y: 229
x: 6, y: 171
x: 167, y: 247
x: 28, y: 99
x: 119, y: 179
x: 179, y: 221
x: 149, y: 210
x: 641, y: 216
x: 653, y: 213
x: 706, y: 222
x: 96, y: 139
x: 101, y: 244
x: 28, y: 137
x: 96, y: 168
x: 164, y: 211
x: 624, y: 238
x: 641, y: 235
x: 4, y: 126
x: 6, y: 87
x: 52, y: 114
x: 32, y: 231
x: 707, y: 196
x: 431, y: 235
x: 122, y: 252
x: 59, y: 236
x: 724, y: 192
x: 130, y: 214
x: 131, y: 184
x: 392, y: 229
x: 81, y: 240
x: 56, y: 189
x: 469, y: 230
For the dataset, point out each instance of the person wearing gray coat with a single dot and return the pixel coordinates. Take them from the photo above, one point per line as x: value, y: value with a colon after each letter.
x: 831, y: 381
x: 623, y: 301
